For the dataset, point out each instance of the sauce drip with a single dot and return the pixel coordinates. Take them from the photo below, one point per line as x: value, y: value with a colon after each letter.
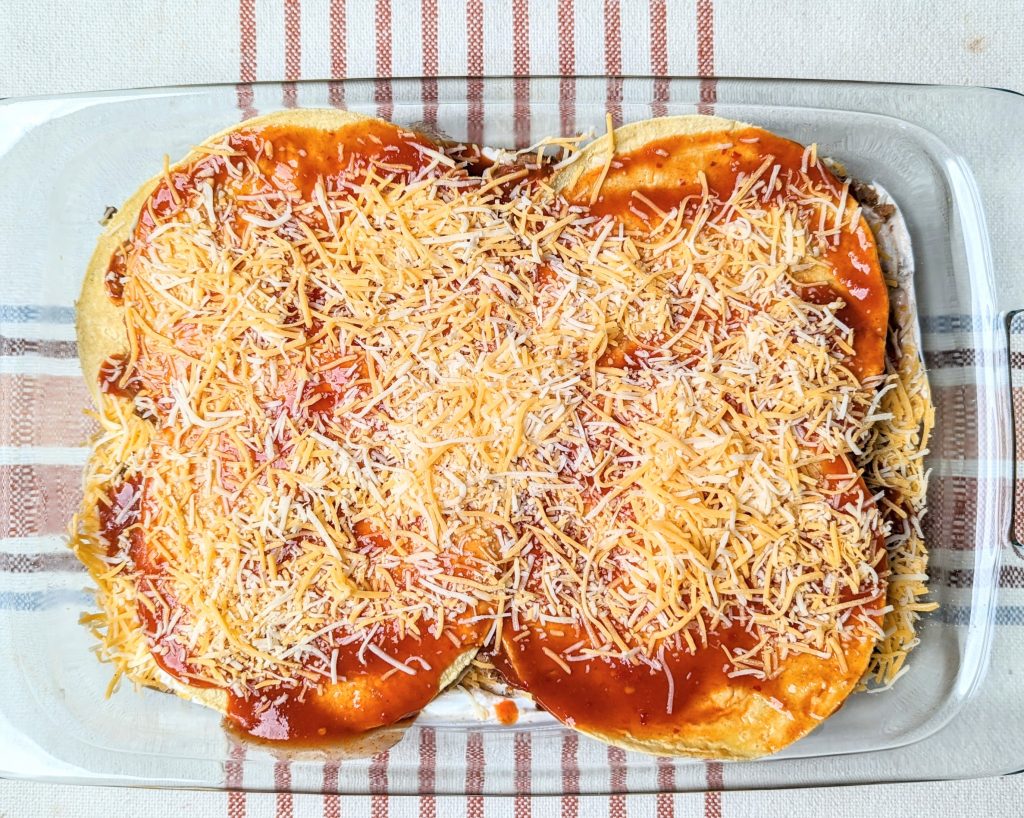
x: 614, y: 696
x: 506, y: 712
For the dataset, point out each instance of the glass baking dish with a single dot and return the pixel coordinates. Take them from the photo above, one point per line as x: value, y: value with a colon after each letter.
x: 63, y: 160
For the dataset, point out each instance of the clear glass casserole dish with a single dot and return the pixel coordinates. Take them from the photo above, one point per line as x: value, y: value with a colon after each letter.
x: 63, y: 160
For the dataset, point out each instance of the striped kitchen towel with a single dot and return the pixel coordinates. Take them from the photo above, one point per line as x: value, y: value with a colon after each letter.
x: 52, y: 48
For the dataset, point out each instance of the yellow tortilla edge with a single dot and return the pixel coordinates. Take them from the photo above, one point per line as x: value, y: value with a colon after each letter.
x: 635, y: 135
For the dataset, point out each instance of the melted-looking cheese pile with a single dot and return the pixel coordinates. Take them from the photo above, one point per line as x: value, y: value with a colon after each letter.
x: 893, y: 462
x: 404, y: 404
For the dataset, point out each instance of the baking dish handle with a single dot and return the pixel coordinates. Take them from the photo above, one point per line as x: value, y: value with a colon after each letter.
x: 1017, y: 436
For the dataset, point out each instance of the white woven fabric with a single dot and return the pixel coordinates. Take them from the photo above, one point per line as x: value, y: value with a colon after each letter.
x: 52, y: 47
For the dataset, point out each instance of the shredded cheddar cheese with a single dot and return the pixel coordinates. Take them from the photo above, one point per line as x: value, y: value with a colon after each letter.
x: 893, y: 463
x: 412, y: 400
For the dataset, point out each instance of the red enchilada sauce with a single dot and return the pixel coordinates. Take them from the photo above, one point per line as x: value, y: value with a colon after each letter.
x: 119, y: 513
x: 506, y: 712
x: 115, y: 379
x: 289, y: 159
x: 370, y: 692
x: 117, y: 269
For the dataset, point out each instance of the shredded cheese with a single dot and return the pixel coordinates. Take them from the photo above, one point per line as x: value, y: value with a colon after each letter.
x: 411, y: 400
x: 893, y: 464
